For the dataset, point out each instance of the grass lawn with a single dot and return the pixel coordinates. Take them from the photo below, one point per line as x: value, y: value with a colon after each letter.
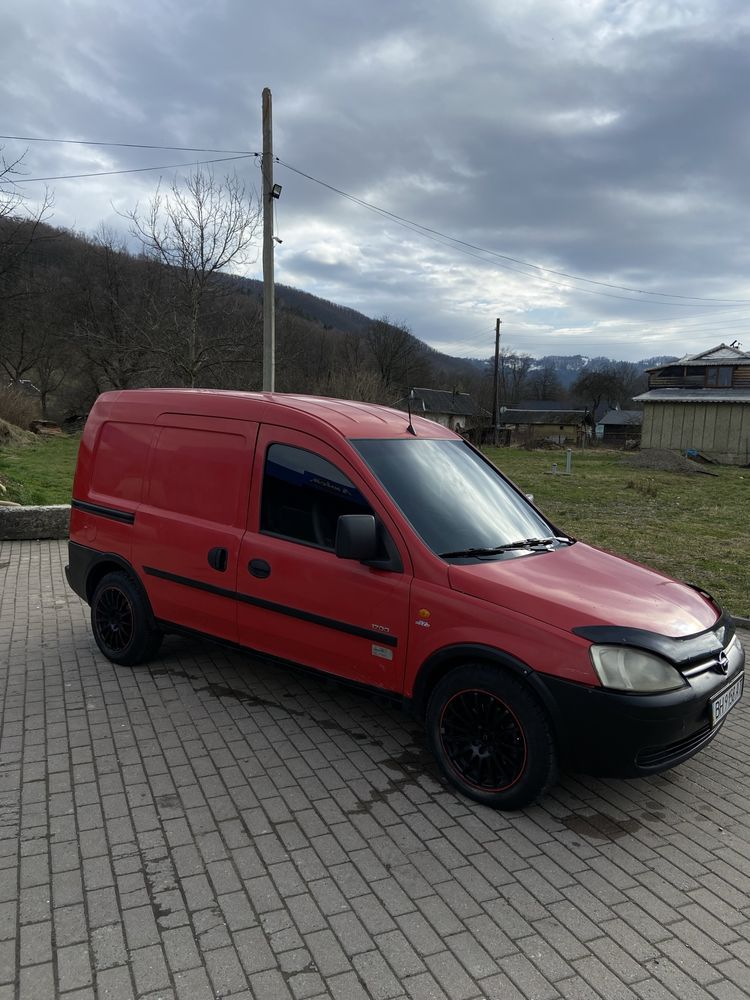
x: 693, y: 527
x: 41, y: 472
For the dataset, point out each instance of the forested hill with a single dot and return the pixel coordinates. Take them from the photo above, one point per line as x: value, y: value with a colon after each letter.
x: 79, y: 315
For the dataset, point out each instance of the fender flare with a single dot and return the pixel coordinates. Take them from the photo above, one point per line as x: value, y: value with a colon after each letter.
x: 88, y: 566
x: 438, y: 664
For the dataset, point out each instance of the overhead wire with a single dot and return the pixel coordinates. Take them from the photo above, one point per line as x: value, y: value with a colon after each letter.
x: 132, y: 170
x: 507, y: 262
x: 127, y: 145
x: 693, y: 300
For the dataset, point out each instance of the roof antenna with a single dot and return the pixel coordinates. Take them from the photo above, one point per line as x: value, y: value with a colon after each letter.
x: 409, y: 398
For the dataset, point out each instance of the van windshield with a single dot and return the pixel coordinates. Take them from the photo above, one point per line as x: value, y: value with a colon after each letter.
x: 457, y: 502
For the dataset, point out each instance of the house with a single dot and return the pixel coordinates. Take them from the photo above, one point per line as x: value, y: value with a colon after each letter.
x: 455, y: 410
x: 554, y: 426
x: 617, y: 427
x: 701, y: 403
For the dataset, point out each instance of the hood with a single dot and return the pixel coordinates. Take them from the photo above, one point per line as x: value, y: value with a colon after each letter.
x: 578, y: 585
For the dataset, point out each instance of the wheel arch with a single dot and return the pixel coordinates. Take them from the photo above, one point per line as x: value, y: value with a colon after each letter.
x: 445, y: 660
x: 103, y: 563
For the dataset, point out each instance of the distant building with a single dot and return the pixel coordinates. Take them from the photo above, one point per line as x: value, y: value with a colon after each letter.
x: 456, y: 410
x: 701, y: 403
x: 617, y: 427
x: 553, y: 426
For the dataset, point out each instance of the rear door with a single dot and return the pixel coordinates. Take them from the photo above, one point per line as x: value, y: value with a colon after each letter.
x: 296, y: 599
x: 190, y: 524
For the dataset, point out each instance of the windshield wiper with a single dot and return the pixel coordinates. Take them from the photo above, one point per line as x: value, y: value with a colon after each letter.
x: 524, y: 543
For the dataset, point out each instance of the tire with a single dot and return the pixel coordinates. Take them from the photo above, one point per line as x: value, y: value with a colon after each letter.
x: 491, y: 737
x: 122, y: 622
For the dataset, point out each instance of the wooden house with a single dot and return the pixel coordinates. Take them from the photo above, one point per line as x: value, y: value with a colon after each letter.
x: 617, y: 427
x: 574, y: 427
x: 701, y: 403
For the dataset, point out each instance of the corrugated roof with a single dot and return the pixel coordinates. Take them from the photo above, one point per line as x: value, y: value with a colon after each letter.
x: 622, y: 418
x: 556, y: 417
x: 694, y: 396
x: 722, y: 354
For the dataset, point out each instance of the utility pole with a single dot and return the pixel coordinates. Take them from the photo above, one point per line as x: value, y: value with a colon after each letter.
x: 495, y: 395
x: 269, y: 316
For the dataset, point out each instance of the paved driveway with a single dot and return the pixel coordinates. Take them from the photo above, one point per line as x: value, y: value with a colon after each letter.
x: 213, y: 826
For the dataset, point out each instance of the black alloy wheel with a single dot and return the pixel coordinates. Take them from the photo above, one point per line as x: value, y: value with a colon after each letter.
x: 114, y: 619
x: 491, y: 736
x: 122, y: 621
x: 483, y: 740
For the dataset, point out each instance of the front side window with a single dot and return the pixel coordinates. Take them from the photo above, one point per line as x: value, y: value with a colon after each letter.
x: 453, y: 498
x: 304, y: 496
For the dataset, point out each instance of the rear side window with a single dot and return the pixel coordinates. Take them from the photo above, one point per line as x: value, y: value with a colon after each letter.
x: 121, y: 458
x: 304, y: 495
x: 198, y: 473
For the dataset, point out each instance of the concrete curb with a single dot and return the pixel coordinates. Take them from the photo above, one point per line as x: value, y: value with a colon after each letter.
x: 25, y: 523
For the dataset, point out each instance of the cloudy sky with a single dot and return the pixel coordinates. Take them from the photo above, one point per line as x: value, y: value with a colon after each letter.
x: 579, y: 168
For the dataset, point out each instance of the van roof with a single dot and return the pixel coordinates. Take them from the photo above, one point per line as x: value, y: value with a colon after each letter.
x: 350, y: 418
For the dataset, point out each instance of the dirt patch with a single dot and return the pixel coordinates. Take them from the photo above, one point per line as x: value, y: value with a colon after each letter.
x: 665, y: 461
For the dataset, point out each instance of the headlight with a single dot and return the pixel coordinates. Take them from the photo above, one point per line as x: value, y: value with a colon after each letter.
x: 626, y: 669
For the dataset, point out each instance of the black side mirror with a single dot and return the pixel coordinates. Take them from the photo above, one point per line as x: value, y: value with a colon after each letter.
x: 356, y: 537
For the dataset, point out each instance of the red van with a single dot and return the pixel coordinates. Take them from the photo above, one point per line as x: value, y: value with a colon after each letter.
x: 349, y: 539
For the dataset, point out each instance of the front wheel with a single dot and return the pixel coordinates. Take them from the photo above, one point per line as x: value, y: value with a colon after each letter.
x: 122, y: 622
x: 491, y: 737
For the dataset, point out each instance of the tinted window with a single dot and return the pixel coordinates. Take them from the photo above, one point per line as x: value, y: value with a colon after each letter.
x: 452, y: 497
x: 304, y: 495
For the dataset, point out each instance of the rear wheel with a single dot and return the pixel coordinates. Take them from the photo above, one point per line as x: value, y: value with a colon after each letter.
x: 122, y: 622
x: 491, y: 737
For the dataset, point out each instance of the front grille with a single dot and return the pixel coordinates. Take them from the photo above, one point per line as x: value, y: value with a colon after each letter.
x: 671, y: 754
x: 732, y: 661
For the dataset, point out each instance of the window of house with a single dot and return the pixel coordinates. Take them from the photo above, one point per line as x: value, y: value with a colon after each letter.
x: 718, y: 376
x: 304, y: 496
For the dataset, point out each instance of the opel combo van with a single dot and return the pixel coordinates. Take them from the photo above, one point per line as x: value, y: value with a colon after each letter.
x: 385, y: 550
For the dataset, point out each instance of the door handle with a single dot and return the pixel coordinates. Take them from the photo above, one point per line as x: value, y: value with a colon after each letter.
x: 259, y: 568
x: 217, y: 559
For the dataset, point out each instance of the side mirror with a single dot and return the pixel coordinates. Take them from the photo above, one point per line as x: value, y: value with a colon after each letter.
x: 356, y: 537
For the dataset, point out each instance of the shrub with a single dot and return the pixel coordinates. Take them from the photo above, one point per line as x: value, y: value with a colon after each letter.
x: 16, y: 407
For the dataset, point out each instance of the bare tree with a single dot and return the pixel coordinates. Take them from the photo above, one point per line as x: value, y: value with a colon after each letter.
x: 116, y: 315
x: 197, y: 229
x: 18, y: 222
x: 512, y: 371
x: 397, y: 355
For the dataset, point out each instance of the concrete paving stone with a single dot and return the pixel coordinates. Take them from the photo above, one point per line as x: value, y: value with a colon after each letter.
x: 193, y: 984
x: 108, y: 947
x: 452, y: 976
x: 379, y: 981
x: 297, y: 801
x: 37, y: 982
x: 73, y: 967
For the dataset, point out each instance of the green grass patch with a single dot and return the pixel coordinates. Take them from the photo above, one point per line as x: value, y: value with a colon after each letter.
x: 693, y: 527
x: 41, y: 472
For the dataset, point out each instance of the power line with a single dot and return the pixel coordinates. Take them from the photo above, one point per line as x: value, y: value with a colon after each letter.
x: 127, y: 145
x: 133, y: 170
x: 411, y: 224
x: 444, y: 239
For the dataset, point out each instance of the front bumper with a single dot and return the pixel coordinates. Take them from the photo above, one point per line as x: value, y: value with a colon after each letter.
x: 616, y: 734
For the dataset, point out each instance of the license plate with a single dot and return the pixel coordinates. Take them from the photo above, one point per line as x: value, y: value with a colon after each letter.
x: 729, y: 697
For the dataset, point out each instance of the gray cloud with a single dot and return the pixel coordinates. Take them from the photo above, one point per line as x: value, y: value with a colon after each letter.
x: 604, y: 139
